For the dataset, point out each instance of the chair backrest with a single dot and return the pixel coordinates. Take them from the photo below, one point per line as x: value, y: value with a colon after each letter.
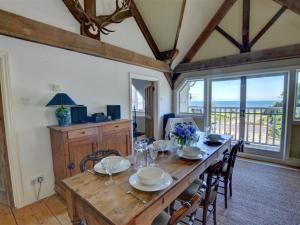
x: 187, y: 208
x: 212, y: 182
x: 96, y: 157
x: 173, y: 121
x: 231, y: 157
x: 235, y: 149
x: 165, y: 120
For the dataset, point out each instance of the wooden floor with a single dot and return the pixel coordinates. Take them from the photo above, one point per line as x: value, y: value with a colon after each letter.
x: 264, y: 194
x: 50, y: 211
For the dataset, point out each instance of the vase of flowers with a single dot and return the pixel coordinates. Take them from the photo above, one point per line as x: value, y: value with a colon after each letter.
x: 185, y: 134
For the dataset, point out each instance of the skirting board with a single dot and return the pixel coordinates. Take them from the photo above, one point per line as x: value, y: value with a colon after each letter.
x: 289, y: 162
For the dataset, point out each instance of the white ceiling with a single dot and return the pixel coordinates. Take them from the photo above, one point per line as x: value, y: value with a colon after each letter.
x: 162, y: 18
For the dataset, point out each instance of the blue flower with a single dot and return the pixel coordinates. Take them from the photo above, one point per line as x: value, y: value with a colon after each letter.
x: 180, y: 131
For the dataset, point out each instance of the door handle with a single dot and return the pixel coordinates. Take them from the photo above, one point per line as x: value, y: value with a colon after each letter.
x: 242, y: 113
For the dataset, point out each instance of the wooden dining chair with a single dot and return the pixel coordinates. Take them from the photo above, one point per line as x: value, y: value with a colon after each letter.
x: 96, y: 157
x: 208, y: 190
x: 227, y: 170
x: 188, y: 209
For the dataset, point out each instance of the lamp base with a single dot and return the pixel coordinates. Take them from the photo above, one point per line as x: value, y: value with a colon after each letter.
x: 63, y: 116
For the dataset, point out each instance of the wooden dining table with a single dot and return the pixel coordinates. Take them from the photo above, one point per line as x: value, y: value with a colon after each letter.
x: 91, y: 201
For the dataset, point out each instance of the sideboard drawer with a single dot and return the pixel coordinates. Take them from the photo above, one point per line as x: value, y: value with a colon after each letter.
x: 115, y: 127
x: 82, y: 133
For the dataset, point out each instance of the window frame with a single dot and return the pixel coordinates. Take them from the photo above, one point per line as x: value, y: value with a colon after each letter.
x: 180, y: 88
x: 297, y: 79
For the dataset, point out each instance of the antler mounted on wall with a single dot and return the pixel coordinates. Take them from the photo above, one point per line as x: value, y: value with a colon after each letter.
x: 92, y: 25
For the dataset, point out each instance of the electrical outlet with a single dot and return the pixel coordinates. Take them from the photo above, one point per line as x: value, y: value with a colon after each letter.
x: 37, y: 180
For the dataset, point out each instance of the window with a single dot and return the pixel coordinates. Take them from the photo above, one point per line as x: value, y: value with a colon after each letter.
x: 191, y: 97
x: 297, y: 99
x: 138, y: 102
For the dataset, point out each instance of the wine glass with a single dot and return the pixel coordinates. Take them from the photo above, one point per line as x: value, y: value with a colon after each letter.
x: 108, y: 167
x: 206, y: 130
x: 153, y: 152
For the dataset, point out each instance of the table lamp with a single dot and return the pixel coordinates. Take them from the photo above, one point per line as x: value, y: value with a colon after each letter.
x: 63, y: 114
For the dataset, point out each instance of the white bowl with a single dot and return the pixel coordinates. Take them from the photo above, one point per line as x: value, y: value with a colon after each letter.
x: 191, y: 151
x: 150, y: 175
x: 114, y: 161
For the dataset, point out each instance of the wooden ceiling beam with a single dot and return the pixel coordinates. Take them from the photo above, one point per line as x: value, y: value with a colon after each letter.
x: 229, y: 38
x: 90, y: 7
x: 268, y: 25
x: 30, y: 30
x: 273, y: 54
x: 246, y: 25
x: 179, y: 24
x: 293, y: 5
x: 145, y: 31
x: 217, y: 18
x: 143, y: 27
x: 170, y: 54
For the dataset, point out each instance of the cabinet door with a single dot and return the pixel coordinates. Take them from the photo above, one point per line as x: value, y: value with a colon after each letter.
x: 119, y: 140
x: 77, y: 151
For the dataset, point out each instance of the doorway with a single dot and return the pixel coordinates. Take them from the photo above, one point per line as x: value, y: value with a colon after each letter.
x: 5, y: 182
x: 143, y: 106
x: 251, y: 108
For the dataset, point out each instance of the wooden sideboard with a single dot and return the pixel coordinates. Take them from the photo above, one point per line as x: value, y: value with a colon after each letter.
x: 72, y: 143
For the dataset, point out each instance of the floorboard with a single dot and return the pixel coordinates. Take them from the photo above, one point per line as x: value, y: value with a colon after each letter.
x: 262, y: 195
x: 6, y: 216
x: 58, y: 208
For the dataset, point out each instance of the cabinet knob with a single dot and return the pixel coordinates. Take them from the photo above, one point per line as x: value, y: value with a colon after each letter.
x: 71, y: 166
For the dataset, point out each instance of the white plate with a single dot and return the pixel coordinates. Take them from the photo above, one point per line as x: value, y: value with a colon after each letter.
x: 124, y: 165
x: 163, y: 184
x: 182, y: 155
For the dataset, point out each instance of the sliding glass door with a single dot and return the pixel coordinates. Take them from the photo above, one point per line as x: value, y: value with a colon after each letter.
x: 225, y: 107
x: 251, y: 108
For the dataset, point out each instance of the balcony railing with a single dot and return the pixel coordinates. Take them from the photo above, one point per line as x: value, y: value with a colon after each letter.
x: 263, y: 125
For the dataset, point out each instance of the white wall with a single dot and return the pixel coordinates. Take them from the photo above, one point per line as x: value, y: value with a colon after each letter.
x: 92, y: 81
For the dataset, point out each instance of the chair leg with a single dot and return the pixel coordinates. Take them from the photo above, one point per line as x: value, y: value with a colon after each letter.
x: 215, y: 212
x: 225, y: 192
x: 192, y: 217
x: 230, y: 186
x: 204, y: 216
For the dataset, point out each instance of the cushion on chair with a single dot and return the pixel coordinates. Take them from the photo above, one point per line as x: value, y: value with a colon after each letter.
x: 212, y: 196
x: 224, y: 169
x: 189, y: 193
x: 162, y: 219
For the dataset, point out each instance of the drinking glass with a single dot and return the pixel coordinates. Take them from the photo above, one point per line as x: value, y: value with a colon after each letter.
x: 206, y: 130
x: 213, y: 127
x: 140, y: 154
x: 153, y: 152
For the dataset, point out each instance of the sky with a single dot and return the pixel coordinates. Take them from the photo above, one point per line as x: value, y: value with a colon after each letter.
x: 258, y: 89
